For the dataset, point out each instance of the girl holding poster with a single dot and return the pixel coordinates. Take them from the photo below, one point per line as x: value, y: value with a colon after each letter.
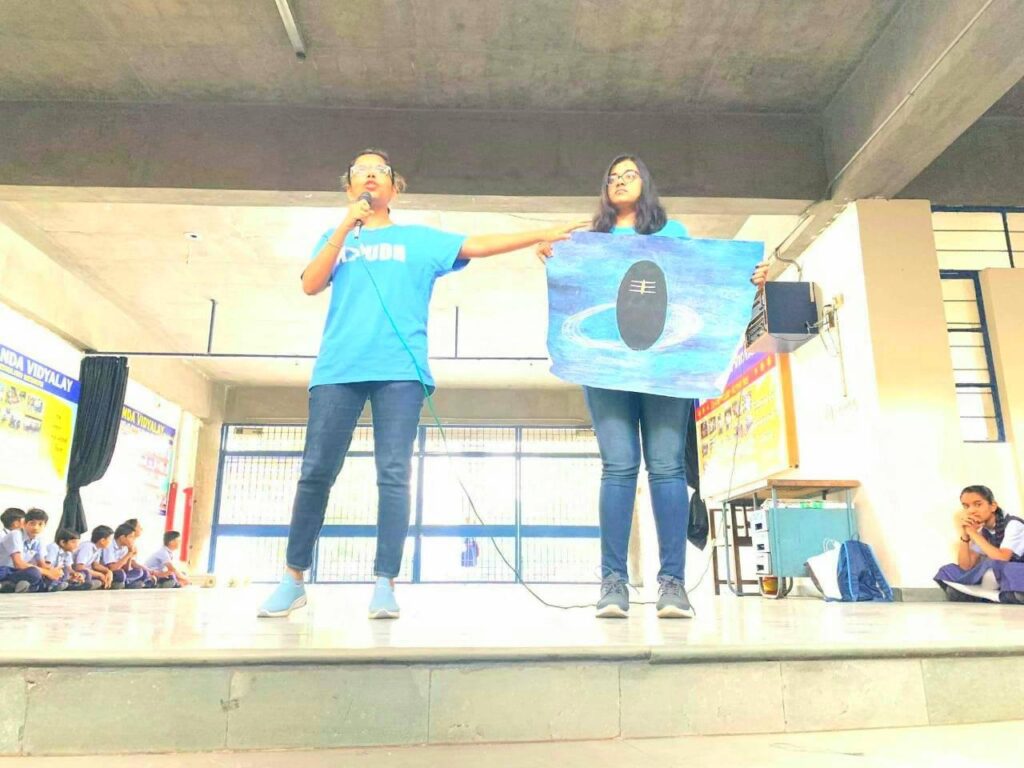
x: 629, y: 424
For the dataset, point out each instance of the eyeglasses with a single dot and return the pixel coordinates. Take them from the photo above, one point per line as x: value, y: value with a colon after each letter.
x: 359, y: 171
x: 627, y: 176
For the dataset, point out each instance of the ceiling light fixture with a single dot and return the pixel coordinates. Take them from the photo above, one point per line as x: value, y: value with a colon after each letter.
x: 292, y: 28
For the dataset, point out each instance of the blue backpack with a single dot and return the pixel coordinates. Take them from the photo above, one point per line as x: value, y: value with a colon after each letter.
x: 860, y: 578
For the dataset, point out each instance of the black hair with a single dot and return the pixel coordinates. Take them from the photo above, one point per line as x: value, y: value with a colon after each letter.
x: 124, y: 529
x: 1001, y: 518
x: 985, y: 492
x: 650, y: 215
x: 133, y: 522
x: 65, y: 535
x: 101, y: 532
x: 36, y: 514
x: 170, y: 536
x: 11, y: 515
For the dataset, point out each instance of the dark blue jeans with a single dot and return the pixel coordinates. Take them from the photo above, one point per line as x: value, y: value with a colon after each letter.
x: 627, y: 423
x: 333, y: 412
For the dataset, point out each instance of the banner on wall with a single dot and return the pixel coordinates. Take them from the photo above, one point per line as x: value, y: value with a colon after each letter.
x: 140, y: 468
x: 748, y: 434
x: 38, y: 405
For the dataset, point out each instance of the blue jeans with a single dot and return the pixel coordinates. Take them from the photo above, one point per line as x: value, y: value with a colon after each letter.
x: 333, y: 412
x: 625, y: 422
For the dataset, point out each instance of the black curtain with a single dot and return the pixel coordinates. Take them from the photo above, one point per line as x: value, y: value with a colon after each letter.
x: 697, y: 530
x: 103, y: 381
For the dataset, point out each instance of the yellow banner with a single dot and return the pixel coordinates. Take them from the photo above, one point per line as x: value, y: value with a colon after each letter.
x: 748, y: 434
x: 36, y: 428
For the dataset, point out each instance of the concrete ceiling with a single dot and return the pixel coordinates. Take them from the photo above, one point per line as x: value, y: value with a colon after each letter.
x: 655, y: 55
x: 249, y: 257
x: 125, y: 124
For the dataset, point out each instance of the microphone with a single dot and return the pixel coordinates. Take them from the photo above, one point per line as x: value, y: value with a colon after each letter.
x: 368, y: 198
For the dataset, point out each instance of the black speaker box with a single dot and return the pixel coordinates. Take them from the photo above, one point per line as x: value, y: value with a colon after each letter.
x: 784, y: 317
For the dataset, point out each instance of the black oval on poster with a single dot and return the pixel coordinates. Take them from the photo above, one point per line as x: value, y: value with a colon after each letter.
x: 642, y: 305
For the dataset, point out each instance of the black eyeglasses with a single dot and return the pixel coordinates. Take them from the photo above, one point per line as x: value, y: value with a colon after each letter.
x: 627, y: 176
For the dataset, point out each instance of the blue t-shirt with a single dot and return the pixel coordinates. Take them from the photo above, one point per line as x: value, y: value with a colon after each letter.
x: 359, y: 342
x: 671, y: 229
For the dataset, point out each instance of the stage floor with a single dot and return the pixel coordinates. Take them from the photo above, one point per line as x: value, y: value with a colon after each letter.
x: 478, y: 623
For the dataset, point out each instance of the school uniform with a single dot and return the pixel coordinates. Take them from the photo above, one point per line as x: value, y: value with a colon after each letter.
x: 132, y: 578
x: 60, y: 558
x: 991, y: 580
x: 157, y: 562
x: 88, y: 555
x: 17, y: 542
x: 37, y: 552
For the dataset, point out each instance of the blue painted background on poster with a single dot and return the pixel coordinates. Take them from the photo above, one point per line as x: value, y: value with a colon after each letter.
x: 709, y: 294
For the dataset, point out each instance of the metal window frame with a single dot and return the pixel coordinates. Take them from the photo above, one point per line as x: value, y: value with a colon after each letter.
x: 1002, y: 210
x: 417, y: 530
x: 974, y: 276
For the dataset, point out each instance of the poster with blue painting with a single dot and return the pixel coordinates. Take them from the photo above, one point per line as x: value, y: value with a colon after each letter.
x: 651, y: 314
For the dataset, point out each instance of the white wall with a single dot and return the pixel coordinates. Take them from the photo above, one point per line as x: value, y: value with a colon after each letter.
x: 884, y: 412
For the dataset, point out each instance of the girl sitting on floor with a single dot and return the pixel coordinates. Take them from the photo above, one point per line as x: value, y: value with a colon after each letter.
x: 990, y: 558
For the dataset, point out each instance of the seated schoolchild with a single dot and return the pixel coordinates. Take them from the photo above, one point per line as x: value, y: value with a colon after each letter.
x: 161, y: 563
x: 61, y: 554
x: 990, y: 555
x: 89, y: 558
x: 119, y: 557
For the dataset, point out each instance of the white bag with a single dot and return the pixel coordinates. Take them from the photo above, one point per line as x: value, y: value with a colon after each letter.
x: 824, y: 569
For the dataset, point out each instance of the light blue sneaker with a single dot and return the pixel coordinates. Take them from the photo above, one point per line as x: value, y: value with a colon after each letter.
x: 383, y: 605
x: 289, y: 595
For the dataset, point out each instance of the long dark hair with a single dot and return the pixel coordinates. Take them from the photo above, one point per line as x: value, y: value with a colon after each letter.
x: 650, y: 216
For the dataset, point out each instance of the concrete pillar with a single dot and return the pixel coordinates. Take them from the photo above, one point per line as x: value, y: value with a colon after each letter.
x: 915, y: 473
x: 1003, y: 293
x: 205, y: 493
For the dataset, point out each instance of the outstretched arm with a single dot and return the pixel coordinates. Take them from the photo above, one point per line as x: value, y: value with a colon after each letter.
x: 479, y: 246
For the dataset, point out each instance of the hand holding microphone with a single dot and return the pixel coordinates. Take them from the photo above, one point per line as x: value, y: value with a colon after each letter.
x: 358, y: 212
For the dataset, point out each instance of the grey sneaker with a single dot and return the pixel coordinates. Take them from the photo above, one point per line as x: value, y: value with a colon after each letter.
x: 614, y: 602
x: 673, y: 602
x: 21, y: 587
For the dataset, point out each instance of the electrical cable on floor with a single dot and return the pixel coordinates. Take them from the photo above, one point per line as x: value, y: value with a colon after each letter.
x: 469, y: 497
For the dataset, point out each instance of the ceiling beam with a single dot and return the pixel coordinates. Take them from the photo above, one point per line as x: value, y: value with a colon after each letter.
x: 465, y: 153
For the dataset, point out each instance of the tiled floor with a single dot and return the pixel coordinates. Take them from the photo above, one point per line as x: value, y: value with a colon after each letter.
x: 477, y: 622
x: 976, y: 746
